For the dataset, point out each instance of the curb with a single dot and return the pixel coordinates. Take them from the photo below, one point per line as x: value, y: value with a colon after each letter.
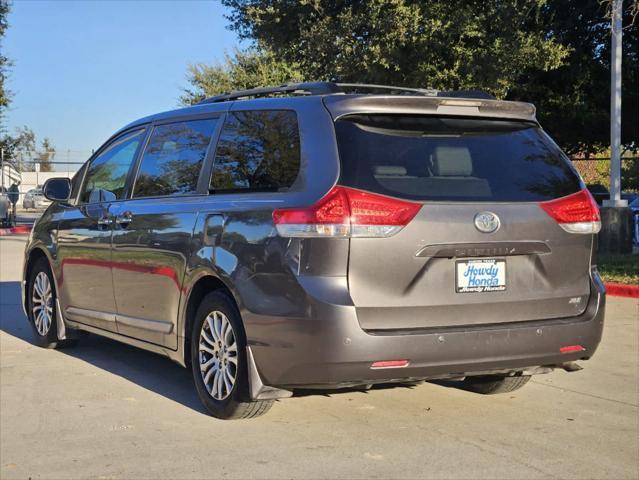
x: 19, y: 230
x: 621, y: 290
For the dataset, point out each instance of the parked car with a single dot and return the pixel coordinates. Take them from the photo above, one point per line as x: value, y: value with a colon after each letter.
x: 305, y: 236
x: 5, y: 208
x: 634, y: 206
x: 35, y: 199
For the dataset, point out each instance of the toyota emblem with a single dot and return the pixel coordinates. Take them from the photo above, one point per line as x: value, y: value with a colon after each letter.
x: 487, y: 222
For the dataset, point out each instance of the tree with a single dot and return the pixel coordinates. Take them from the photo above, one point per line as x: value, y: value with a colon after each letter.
x: 5, y: 140
x: 240, y: 70
x: 573, y: 101
x: 46, y: 155
x: 21, y: 148
x: 436, y: 43
x: 4, y: 61
x: 554, y: 53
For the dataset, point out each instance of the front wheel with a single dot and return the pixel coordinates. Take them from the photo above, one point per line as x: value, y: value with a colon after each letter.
x: 492, y: 384
x: 218, y: 360
x: 41, y: 301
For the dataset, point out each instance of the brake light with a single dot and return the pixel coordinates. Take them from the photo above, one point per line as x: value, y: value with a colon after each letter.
x: 576, y: 213
x: 346, y: 212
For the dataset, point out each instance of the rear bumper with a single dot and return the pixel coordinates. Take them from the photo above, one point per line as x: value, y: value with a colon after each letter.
x: 328, y: 349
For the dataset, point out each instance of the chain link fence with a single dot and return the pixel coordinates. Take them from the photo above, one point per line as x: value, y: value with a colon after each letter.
x: 596, y: 171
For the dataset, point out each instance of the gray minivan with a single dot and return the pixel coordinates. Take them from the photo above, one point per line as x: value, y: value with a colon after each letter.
x: 325, y: 236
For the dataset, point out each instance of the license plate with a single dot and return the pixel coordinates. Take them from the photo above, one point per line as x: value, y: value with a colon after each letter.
x: 477, y: 276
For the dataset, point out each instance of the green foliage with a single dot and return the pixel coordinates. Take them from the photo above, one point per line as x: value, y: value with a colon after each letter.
x: 602, y: 168
x: 437, y: 43
x: 5, y: 96
x: 4, y: 61
x: 573, y: 101
x: 46, y: 155
x: 17, y: 147
x: 20, y: 148
x: 630, y: 175
x: 239, y: 70
x: 553, y: 53
x: 619, y: 268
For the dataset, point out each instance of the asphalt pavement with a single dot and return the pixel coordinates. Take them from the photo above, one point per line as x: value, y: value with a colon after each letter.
x: 107, y: 410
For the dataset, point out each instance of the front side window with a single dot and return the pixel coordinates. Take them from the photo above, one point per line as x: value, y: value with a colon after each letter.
x: 258, y: 151
x: 106, y: 175
x: 173, y: 159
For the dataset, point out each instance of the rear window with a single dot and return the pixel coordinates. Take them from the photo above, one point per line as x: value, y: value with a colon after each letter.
x: 452, y: 159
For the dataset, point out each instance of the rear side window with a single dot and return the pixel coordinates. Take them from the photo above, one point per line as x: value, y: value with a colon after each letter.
x: 173, y: 159
x: 258, y: 151
x: 448, y: 159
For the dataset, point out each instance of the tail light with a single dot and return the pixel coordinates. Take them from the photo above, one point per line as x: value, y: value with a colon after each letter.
x: 346, y: 212
x: 576, y: 213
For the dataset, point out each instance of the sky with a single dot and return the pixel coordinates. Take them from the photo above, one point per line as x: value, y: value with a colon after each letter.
x: 83, y: 69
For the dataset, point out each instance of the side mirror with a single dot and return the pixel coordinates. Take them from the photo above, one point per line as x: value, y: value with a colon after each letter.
x: 57, y: 189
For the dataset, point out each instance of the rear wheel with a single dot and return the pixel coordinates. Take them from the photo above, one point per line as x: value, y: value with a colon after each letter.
x: 41, y: 302
x: 492, y: 384
x: 218, y: 360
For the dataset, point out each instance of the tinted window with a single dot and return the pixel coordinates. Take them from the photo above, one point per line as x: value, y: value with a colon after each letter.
x: 106, y: 175
x: 429, y: 158
x: 257, y: 150
x: 173, y: 158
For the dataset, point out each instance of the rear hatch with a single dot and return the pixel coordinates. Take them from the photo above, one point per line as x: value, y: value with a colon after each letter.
x: 488, y: 242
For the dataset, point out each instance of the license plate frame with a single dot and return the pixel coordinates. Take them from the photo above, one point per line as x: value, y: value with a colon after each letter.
x: 483, y: 285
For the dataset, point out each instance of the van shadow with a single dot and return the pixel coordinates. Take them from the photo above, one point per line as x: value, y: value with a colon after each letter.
x: 146, y: 369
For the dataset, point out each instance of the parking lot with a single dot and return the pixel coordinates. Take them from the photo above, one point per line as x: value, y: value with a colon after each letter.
x: 106, y: 410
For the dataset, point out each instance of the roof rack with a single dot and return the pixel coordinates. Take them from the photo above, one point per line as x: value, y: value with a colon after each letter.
x: 364, y: 87
x: 308, y: 88
x: 327, y: 88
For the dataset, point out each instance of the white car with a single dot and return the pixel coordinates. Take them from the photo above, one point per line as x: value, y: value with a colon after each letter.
x: 5, y: 208
x: 35, y: 199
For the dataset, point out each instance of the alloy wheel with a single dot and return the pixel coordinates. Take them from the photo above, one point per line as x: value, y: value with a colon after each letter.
x: 218, y: 355
x: 42, y: 303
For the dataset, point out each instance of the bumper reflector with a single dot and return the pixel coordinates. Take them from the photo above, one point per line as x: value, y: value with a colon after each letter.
x: 571, y: 349
x: 390, y: 364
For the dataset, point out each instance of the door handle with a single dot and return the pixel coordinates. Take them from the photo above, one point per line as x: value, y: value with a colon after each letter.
x: 124, y: 219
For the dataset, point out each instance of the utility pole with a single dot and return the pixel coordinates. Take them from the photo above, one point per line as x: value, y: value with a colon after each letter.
x: 615, y: 106
x: 616, y: 218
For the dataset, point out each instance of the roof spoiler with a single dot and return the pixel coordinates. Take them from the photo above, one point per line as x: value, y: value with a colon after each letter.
x: 340, y: 105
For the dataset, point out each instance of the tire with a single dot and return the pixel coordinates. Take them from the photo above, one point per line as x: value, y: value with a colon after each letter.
x: 41, y: 302
x: 218, y: 360
x: 492, y: 384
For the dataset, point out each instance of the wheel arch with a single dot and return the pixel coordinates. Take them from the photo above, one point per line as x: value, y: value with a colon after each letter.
x: 34, y: 255
x: 206, y: 283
